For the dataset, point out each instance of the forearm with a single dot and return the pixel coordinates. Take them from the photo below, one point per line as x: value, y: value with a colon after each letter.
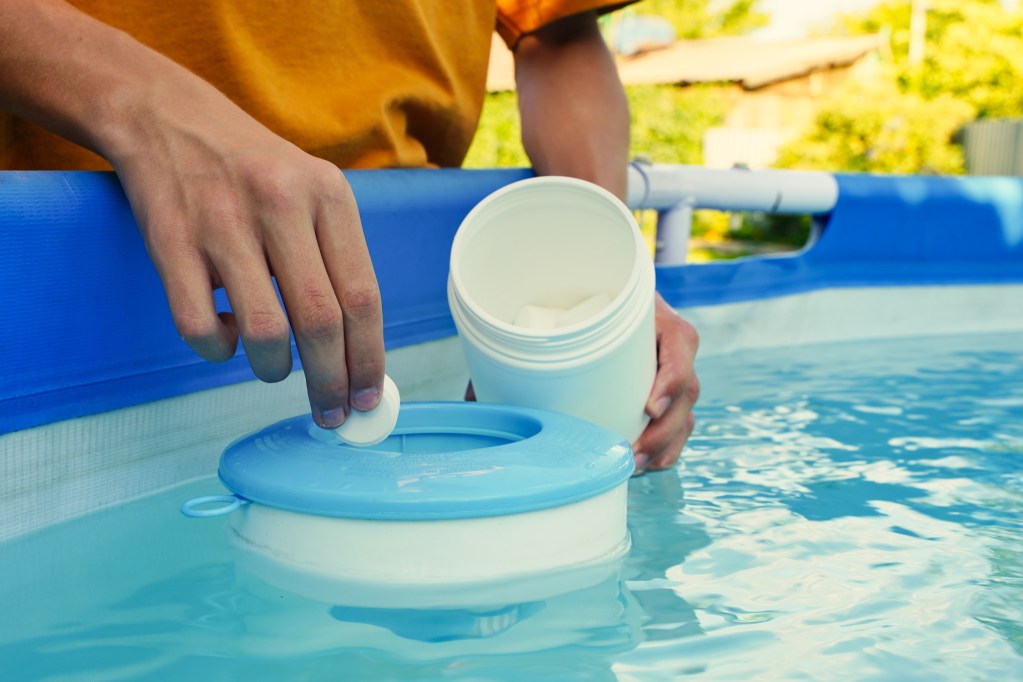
x: 90, y: 82
x: 575, y: 117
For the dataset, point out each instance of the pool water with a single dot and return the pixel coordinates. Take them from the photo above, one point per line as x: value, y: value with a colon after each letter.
x: 843, y: 512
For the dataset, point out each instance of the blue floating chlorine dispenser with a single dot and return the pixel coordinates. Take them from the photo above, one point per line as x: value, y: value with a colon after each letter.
x: 460, y: 503
x: 517, y: 497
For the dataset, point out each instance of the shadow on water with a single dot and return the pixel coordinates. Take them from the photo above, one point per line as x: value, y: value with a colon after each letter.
x: 662, y: 537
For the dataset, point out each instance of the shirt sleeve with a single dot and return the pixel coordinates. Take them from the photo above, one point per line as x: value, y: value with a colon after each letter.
x: 515, y: 18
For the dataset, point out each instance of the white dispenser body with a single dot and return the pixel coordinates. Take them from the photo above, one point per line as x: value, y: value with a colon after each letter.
x: 447, y: 563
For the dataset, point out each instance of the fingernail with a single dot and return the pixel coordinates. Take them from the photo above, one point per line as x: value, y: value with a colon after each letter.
x: 641, y: 460
x: 660, y: 406
x: 366, y: 399
x: 331, y: 419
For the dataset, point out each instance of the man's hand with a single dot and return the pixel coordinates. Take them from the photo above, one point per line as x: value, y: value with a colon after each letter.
x: 213, y: 217
x: 220, y: 200
x: 673, y: 395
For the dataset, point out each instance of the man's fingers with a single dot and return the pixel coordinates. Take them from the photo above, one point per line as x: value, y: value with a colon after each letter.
x: 671, y: 451
x: 316, y: 319
x: 677, y: 342
x: 673, y: 394
x: 660, y: 445
x: 675, y: 384
x: 346, y: 256
x: 190, y: 298
x: 262, y: 324
x: 364, y: 348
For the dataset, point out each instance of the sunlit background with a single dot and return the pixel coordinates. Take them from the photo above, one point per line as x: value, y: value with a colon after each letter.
x: 892, y: 86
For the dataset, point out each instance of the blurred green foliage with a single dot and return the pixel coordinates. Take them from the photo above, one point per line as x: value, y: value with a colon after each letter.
x: 973, y: 52
x: 876, y: 127
x: 904, y: 121
x: 705, y: 18
x: 668, y: 124
x: 498, y: 140
x: 901, y: 119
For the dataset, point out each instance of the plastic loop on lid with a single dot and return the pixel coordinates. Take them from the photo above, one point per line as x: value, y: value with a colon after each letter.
x: 200, y: 507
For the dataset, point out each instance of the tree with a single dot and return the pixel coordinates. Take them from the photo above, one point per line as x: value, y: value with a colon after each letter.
x: 972, y: 67
x: 973, y: 52
x: 878, y: 128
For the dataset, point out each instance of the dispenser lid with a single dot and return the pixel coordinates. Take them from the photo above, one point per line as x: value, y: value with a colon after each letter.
x: 442, y: 461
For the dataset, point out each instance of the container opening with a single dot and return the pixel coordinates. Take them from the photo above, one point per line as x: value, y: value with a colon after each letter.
x: 430, y: 443
x: 422, y: 432
x: 552, y: 248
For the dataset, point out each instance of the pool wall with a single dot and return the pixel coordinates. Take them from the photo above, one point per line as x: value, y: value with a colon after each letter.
x: 94, y: 374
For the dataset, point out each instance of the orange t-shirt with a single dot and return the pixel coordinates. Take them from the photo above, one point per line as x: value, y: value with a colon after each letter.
x: 369, y: 84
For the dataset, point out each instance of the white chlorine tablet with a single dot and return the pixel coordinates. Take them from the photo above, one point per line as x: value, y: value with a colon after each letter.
x: 369, y: 428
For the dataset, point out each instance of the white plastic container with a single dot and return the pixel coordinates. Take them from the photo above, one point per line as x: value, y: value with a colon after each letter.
x: 555, y: 243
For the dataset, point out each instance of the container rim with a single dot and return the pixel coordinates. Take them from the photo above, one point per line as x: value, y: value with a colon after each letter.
x: 573, y: 184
